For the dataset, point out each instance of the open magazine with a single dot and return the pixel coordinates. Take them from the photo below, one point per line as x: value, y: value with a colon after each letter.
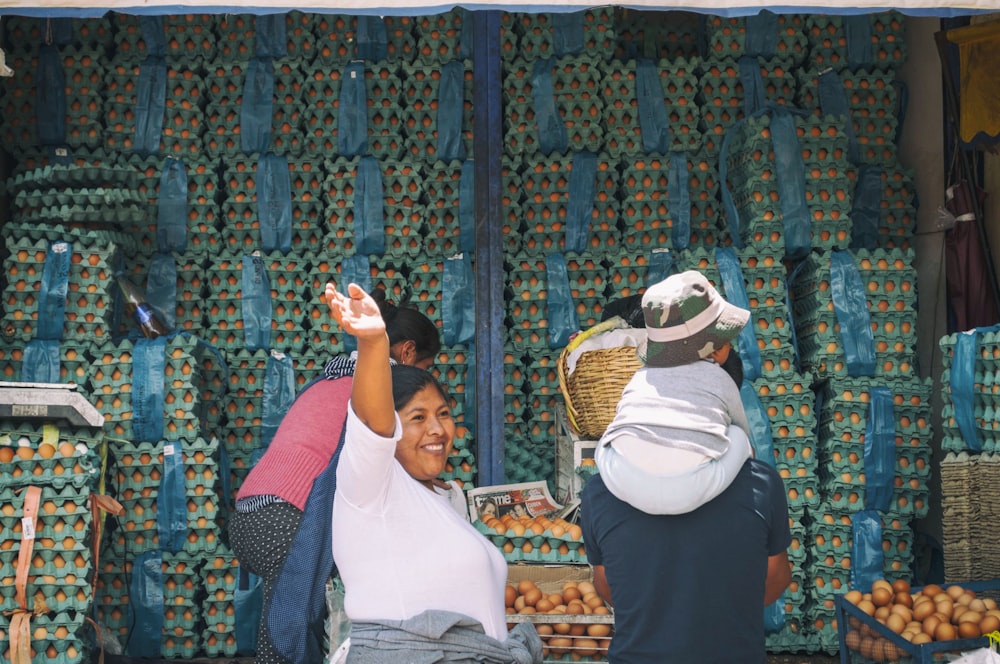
x: 525, y: 498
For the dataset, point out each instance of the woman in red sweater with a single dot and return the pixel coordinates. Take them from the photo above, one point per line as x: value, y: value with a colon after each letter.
x: 280, y: 530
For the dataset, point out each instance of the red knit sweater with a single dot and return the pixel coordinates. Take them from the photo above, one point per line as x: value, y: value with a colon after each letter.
x: 303, y: 444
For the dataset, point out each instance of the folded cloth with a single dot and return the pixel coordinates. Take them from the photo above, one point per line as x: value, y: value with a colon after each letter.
x: 440, y: 636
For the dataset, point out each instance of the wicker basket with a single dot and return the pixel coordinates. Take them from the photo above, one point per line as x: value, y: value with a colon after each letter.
x: 594, y: 388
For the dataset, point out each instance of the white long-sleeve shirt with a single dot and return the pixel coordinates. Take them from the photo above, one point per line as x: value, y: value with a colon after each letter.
x: 402, y: 549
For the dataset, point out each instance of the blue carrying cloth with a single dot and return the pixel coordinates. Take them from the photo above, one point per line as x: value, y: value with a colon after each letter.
x: 298, y: 605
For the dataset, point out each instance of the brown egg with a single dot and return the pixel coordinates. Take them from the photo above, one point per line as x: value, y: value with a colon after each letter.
x: 931, y: 623
x: 509, y: 595
x: 544, y: 605
x: 923, y: 608
x: 895, y: 622
x: 532, y: 596
x: 853, y: 596
x: 881, y: 596
x: 989, y: 623
x: 954, y: 592
x: 930, y: 590
x: 969, y: 630
x: 902, y: 598
x: 525, y: 585
x: 921, y: 638
x: 903, y: 611
x: 901, y: 586
x: 598, y: 630
x: 945, y: 632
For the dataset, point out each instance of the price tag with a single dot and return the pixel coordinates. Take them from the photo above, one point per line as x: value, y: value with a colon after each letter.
x: 27, y: 528
x: 168, y: 449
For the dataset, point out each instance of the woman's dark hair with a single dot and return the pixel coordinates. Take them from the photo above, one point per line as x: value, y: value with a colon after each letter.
x: 404, y: 323
x: 408, y: 380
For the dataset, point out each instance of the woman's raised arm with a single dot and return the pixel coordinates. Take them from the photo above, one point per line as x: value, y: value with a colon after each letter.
x: 371, y: 395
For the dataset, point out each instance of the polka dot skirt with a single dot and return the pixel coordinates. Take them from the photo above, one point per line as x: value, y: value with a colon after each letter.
x: 261, y: 540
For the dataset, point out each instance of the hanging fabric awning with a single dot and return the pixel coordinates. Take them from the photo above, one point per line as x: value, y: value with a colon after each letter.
x: 88, y: 9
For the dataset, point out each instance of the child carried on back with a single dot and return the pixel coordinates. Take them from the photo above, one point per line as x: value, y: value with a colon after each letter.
x: 679, y: 436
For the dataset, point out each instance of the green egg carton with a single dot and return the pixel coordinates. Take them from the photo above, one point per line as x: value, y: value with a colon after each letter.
x: 181, y: 617
x: 301, y: 38
x: 180, y: 647
x: 802, y: 492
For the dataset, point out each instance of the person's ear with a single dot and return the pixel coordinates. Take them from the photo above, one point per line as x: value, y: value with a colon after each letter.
x: 409, y: 352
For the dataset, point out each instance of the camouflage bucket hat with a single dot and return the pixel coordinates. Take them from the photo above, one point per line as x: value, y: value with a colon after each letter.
x: 687, y: 319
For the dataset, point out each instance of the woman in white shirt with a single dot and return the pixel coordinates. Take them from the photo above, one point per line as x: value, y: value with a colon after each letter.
x: 417, y: 576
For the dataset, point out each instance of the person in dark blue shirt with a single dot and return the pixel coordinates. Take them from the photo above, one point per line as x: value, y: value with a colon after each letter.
x: 691, y: 588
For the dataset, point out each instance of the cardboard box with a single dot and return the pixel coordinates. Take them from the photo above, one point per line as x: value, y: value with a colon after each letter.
x: 574, y: 459
x: 567, y: 638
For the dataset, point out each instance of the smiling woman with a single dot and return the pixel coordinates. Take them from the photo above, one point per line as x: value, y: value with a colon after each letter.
x: 396, y: 541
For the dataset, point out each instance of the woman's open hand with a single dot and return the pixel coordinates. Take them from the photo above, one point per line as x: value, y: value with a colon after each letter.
x: 356, y: 312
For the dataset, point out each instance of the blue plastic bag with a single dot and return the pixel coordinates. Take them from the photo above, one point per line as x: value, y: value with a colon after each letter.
x: 679, y: 200
x: 148, y: 361
x: 563, y: 321
x: 41, y: 361
x: 850, y: 305
x: 352, y: 118
x: 274, y: 203
x: 50, y: 97
x: 451, y: 106
x: 172, y: 207
x: 551, y: 128
x: 271, y: 35
x: 248, y: 605
x: 150, y: 105
x: 754, y: 99
x: 761, y: 438
x: 257, y: 107
x: 567, y: 33
x: 858, y: 30
x: 146, y: 605
x: 372, y: 40
x: 880, y: 450
x: 867, y: 557
x: 279, y: 392
x: 369, y: 208
x: 161, y: 288
x: 866, y: 210
x: 256, y: 302
x: 761, y: 36
x: 661, y: 266
x: 791, y: 173
x: 354, y: 269
x: 171, y: 500
x: 736, y: 293
x: 962, y: 381
x: 654, y: 123
x: 833, y: 101
x: 458, y: 301
x: 53, y: 292
x: 580, y: 207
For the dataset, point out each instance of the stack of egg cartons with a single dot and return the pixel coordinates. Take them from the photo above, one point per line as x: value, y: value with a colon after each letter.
x: 63, y: 465
x: 969, y: 471
x: 786, y: 401
x: 863, y: 352
x: 74, y: 55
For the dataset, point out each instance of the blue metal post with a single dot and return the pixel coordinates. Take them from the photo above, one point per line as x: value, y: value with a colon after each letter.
x: 487, y: 150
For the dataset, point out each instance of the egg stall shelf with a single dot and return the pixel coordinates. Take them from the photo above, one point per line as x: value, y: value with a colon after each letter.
x: 573, y: 635
x: 892, y: 646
